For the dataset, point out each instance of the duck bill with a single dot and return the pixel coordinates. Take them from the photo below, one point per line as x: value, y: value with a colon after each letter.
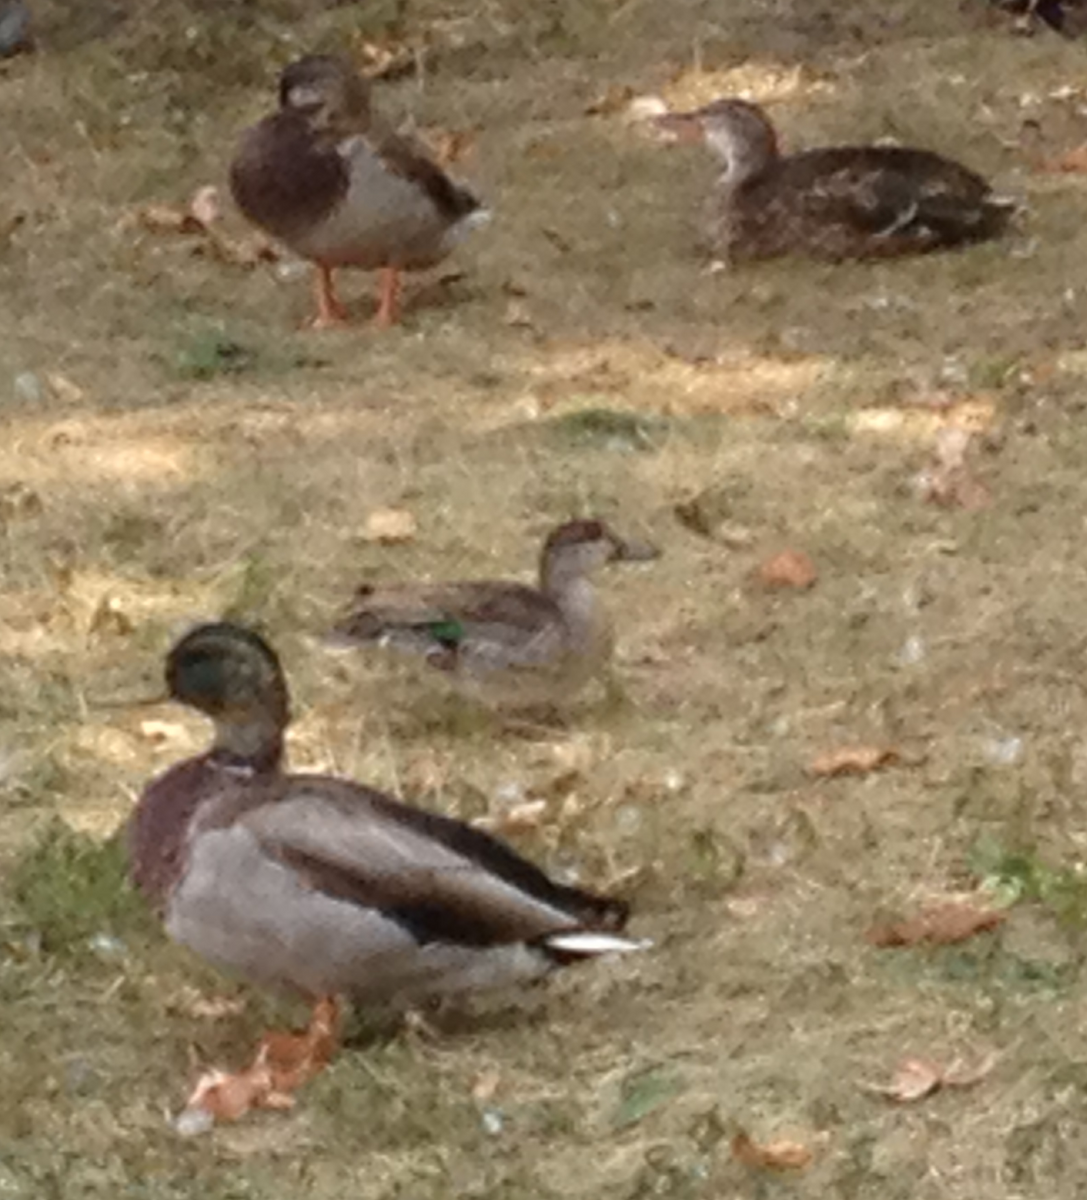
x: 635, y: 550
x: 682, y: 128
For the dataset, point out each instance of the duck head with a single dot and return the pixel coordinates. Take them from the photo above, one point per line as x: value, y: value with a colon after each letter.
x: 578, y: 548
x: 233, y: 676
x: 738, y: 133
x: 326, y: 89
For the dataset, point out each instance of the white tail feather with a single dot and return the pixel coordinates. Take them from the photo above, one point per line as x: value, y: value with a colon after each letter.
x: 580, y: 941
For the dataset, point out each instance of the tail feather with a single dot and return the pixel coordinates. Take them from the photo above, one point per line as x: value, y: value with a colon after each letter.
x: 576, y: 944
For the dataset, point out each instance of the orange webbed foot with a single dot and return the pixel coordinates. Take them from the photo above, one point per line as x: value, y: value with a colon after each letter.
x: 283, y: 1063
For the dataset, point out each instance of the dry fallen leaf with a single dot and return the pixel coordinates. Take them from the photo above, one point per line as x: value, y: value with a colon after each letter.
x: 940, y: 925
x: 853, y: 760
x: 215, y: 1008
x: 778, y: 1155
x: 166, y: 218
x: 449, y: 146
x: 949, y: 480
x: 789, y: 569
x: 389, y: 526
x: 1074, y: 160
x: 485, y: 1085
x: 917, y: 1078
x: 516, y: 819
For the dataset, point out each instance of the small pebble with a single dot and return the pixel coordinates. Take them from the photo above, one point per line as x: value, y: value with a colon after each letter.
x: 912, y: 652
x: 1003, y: 751
x: 492, y: 1121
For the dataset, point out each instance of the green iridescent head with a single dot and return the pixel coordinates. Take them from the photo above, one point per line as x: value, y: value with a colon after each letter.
x: 229, y: 673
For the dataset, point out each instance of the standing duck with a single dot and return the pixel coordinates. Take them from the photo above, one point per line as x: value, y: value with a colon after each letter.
x: 320, y: 887
x: 840, y: 202
x: 326, y: 178
x: 507, y: 644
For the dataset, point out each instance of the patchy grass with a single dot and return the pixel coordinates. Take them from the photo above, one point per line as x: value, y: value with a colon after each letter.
x: 174, y: 449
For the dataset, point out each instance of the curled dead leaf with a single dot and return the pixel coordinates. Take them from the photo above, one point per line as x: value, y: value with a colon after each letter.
x: 949, y: 481
x: 166, y: 218
x: 789, y: 569
x: 916, y: 1078
x: 516, y: 819
x: 485, y: 1085
x: 939, y: 925
x: 1070, y: 162
x: 853, y: 760
x: 778, y: 1155
x: 390, y: 526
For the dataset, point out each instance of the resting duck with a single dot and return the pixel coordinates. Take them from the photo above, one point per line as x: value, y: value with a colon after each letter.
x: 841, y: 202
x: 507, y: 644
x: 320, y: 887
x: 324, y: 177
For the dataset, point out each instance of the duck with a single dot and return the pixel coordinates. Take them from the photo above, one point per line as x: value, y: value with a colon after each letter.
x: 506, y: 644
x: 318, y: 887
x: 324, y: 176
x: 833, y: 203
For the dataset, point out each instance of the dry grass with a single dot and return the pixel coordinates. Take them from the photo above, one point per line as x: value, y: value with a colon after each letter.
x: 148, y: 478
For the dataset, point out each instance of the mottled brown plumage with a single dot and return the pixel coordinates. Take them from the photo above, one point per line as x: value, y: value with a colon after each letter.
x: 835, y: 203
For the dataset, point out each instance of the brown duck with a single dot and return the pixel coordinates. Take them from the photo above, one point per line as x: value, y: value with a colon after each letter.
x: 840, y: 202
x: 504, y: 643
x: 323, y: 176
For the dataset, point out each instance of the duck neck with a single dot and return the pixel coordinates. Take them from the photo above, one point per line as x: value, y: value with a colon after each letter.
x: 572, y: 591
x: 252, y: 739
x: 743, y: 159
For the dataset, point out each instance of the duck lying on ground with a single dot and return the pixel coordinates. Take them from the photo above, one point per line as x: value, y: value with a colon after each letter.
x: 839, y: 202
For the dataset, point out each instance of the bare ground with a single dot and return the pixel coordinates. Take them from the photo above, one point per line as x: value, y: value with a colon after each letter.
x: 175, y: 450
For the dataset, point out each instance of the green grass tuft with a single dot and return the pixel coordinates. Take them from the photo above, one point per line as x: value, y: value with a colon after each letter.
x: 69, y: 889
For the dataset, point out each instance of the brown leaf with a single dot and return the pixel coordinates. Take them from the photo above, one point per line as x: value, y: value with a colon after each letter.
x: 1071, y: 161
x: 853, y: 760
x: 389, y: 526
x: 949, y: 481
x: 485, y: 1085
x: 517, y: 819
x: 450, y: 146
x: 789, y: 569
x: 939, y: 925
x: 778, y: 1155
x: 916, y: 1078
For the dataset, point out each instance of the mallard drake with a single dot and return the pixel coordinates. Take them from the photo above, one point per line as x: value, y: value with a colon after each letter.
x: 324, y: 176
x: 320, y: 887
x: 507, y: 644
x: 840, y: 202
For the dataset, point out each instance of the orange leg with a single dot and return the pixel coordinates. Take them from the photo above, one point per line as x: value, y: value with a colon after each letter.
x: 331, y: 313
x: 388, y: 309
x: 284, y: 1062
